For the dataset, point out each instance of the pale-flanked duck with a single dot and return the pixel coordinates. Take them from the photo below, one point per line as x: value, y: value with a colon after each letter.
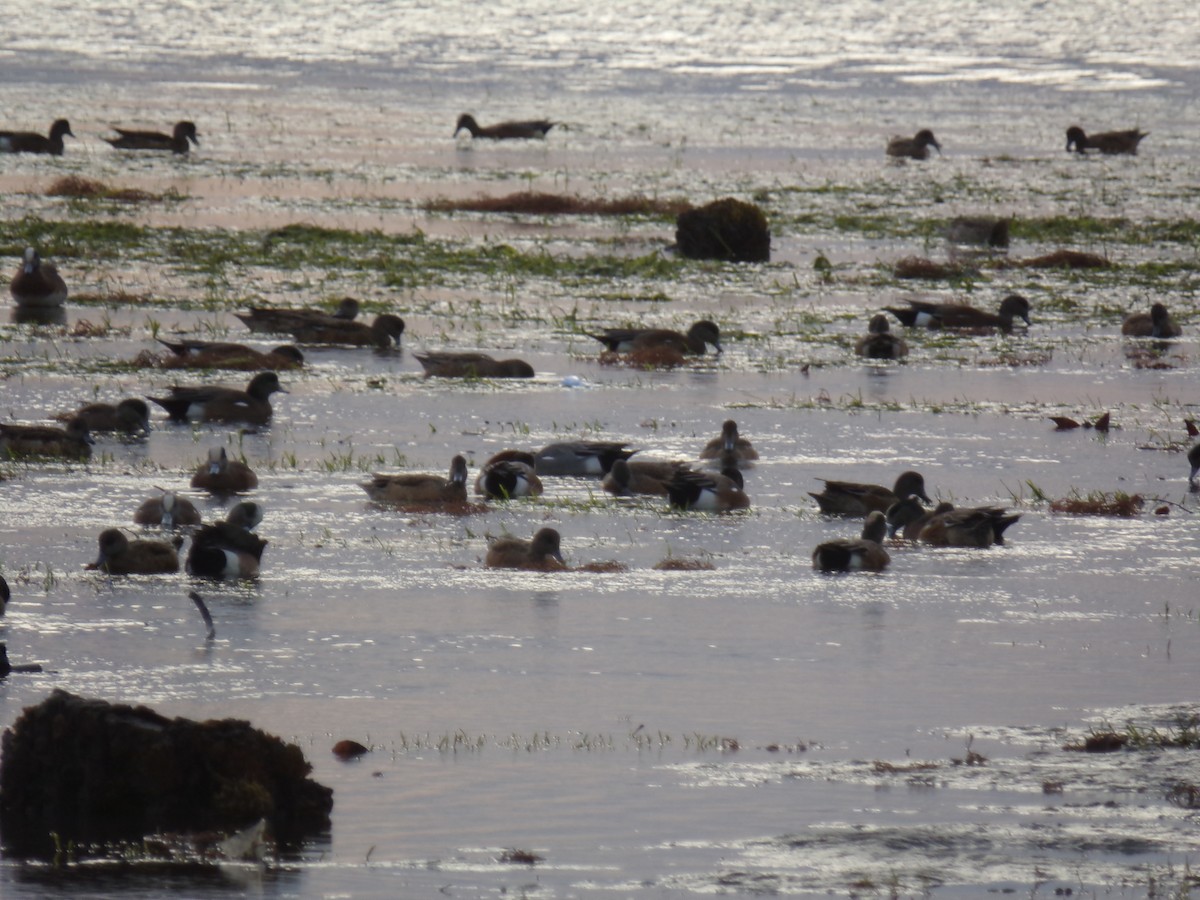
x: 849, y: 498
x: 915, y: 147
x: 37, y: 284
x: 228, y: 549
x: 32, y: 142
x: 503, y: 131
x: 420, y: 489
x: 130, y: 416
x: 629, y: 477
x: 121, y: 556
x: 730, y: 448
x: 508, y: 475
x: 863, y: 555
x: 175, y: 142
x: 212, y: 403
x: 708, y: 492
x: 879, y: 342
x: 1193, y: 458
x: 959, y: 316
x: 285, y: 320
x: 586, y: 458
x: 1157, y: 323
x: 168, y: 511
x: 223, y: 355
x: 625, y: 340
x: 543, y: 553
x: 1108, y: 142
x: 222, y: 475
x: 472, y: 365
x: 46, y: 442
x: 384, y: 333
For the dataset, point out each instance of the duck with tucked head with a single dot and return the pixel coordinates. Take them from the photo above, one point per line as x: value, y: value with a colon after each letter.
x: 213, y: 403
x: 503, y: 131
x: 472, y: 365
x: 222, y: 475
x: 1108, y: 142
x: 626, y: 340
x: 286, y: 320
x: 46, y: 442
x: 224, y: 355
x: 37, y: 284
x: 708, y: 492
x: 850, y: 498
x: 879, y: 342
x: 960, y: 316
x: 384, y: 333
x: 509, y: 474
x: 1157, y: 323
x: 413, y: 489
x: 863, y: 555
x: 650, y: 477
x: 542, y: 554
x: 121, y: 556
x: 130, y: 416
x: 915, y: 147
x: 32, y: 142
x: 175, y: 142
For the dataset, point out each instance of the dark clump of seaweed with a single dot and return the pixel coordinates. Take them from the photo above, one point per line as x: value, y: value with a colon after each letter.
x: 80, y: 188
x: 922, y: 267
x: 1100, y: 503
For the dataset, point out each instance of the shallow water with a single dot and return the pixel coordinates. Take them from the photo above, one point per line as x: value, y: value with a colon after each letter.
x: 748, y: 729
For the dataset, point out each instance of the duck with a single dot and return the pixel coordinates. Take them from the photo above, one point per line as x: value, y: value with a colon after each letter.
x: 228, y: 549
x: 907, y: 516
x: 1193, y: 458
x: 176, y: 141
x: 980, y: 526
x: 1108, y: 142
x: 168, y: 511
x: 863, y: 555
x: 37, y: 284
x: 222, y: 475
x: 915, y: 147
x: 879, y: 342
x: 629, y: 477
x: 121, y: 556
x: 504, y: 131
x: 284, y: 320
x: 384, y: 333
x: 730, y: 448
x: 961, y: 316
x: 46, y: 442
x: 708, y: 492
x: 848, y: 498
x: 129, y: 416
x: 32, y: 142
x: 5, y: 595
x: 696, y: 341
x: 983, y: 230
x: 1157, y: 323
x: 421, y: 489
x: 213, y: 403
x: 543, y: 553
x: 582, y: 458
x: 472, y: 365
x: 222, y: 355
x: 508, y: 475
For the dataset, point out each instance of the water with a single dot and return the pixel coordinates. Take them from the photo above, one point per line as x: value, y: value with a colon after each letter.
x: 749, y: 729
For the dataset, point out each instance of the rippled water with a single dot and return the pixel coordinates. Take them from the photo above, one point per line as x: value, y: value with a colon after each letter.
x: 749, y: 729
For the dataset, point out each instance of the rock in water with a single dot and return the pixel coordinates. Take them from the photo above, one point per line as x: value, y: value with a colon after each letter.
x: 724, y: 229
x: 91, y: 772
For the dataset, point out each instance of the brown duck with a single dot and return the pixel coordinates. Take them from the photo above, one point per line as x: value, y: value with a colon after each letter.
x: 46, y: 442
x: 959, y: 316
x: 849, y: 498
x: 284, y: 320
x: 629, y: 477
x: 625, y: 340
x: 1108, y: 142
x: 472, y: 365
x: 879, y: 342
x: 504, y: 131
x: 543, y: 553
x: 866, y: 554
x: 32, y: 142
x: 420, y: 489
x: 915, y: 147
x: 1157, y: 323
x: 221, y: 355
x: 37, y: 284
x: 168, y: 511
x: 130, y: 416
x: 175, y: 142
x: 222, y: 475
x: 121, y: 556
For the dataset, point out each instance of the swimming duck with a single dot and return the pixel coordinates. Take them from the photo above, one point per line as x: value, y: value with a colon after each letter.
x: 383, y: 333
x: 1108, y: 142
x: 624, y: 340
x: 472, y: 365
x: 543, y: 553
x: 509, y: 474
x: 228, y: 549
x: 629, y: 477
x: 420, y: 489
x: 879, y: 342
x: 980, y: 526
x: 5, y: 595
x: 284, y: 320
x: 222, y: 475
x: 849, y: 498
x: 212, y: 403
x: 1156, y: 324
x: 504, y: 131
x: 121, y: 556
x: 915, y: 147
x: 586, y: 458
x: 222, y: 355
x: 130, y: 416
x: 960, y: 316
x: 176, y: 141
x: 32, y: 142
x: 1193, y: 458
x: 169, y: 511
x: 46, y: 441
x: 863, y: 555
x: 729, y: 447
x: 37, y: 284
x: 708, y: 492
x: 987, y: 230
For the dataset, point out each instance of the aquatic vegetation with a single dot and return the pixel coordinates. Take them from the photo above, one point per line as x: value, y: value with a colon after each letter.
x: 1100, y: 503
